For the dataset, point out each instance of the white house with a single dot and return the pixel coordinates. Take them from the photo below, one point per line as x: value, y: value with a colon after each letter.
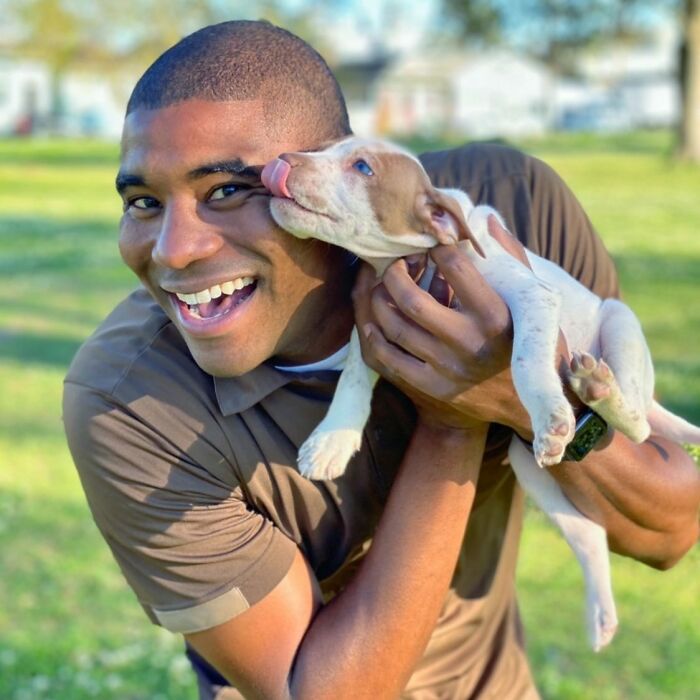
x: 25, y: 95
x: 79, y: 105
x: 486, y: 94
x: 627, y: 85
x: 94, y: 106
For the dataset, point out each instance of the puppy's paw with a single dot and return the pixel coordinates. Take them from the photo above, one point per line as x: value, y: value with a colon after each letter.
x: 591, y: 379
x: 553, y: 435
x: 326, y: 453
x: 595, y: 384
x: 602, y: 625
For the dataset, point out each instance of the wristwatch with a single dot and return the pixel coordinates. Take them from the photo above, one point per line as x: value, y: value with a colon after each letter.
x: 590, y: 428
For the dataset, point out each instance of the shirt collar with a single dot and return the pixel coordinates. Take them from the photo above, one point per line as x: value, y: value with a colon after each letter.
x: 238, y: 394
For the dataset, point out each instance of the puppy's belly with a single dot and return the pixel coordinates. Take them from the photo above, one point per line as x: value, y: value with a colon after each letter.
x: 580, y: 308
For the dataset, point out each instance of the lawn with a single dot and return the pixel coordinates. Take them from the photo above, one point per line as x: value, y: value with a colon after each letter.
x: 69, y: 627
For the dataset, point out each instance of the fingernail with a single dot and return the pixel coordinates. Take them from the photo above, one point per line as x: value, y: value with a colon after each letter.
x: 367, y: 330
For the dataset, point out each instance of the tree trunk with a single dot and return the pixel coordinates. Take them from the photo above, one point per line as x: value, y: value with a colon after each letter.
x: 690, y: 83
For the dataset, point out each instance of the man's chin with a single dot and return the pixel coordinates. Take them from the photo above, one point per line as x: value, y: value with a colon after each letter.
x: 218, y: 366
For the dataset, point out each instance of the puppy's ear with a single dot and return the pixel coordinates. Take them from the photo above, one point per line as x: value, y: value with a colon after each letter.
x: 442, y: 217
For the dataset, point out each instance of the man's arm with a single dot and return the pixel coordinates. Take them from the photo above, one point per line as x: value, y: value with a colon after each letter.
x: 646, y: 496
x: 366, y: 641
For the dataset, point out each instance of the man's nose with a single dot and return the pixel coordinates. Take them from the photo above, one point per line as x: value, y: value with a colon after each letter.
x: 184, y: 238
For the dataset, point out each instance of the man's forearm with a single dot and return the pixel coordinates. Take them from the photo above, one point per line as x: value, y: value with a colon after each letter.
x: 366, y: 642
x: 646, y: 496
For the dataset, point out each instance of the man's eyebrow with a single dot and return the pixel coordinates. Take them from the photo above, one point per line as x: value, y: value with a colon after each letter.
x: 233, y: 167
x: 125, y: 180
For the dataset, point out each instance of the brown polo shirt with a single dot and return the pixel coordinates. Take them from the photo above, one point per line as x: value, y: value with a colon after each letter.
x: 192, y: 480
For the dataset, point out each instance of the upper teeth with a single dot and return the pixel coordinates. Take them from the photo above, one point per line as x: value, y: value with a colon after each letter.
x: 215, y: 292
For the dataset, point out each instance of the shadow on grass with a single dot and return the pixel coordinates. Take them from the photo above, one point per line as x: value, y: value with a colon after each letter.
x: 33, y: 243
x: 27, y: 347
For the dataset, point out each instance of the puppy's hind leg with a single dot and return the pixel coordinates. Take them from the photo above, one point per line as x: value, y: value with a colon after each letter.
x: 587, y: 539
x: 620, y: 385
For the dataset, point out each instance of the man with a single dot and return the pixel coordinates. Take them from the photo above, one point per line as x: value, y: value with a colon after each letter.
x: 185, y: 410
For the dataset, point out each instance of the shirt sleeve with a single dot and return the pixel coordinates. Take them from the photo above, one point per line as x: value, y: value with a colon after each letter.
x: 188, y: 544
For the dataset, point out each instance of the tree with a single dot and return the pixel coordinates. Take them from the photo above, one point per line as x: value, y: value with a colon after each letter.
x: 114, y: 39
x: 689, y: 146
x: 557, y: 30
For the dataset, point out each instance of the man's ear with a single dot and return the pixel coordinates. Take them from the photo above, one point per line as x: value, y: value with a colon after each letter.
x: 442, y: 217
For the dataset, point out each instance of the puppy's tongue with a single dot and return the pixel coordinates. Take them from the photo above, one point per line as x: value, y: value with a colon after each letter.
x: 274, y: 177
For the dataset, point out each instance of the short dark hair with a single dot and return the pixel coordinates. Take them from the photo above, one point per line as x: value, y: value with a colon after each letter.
x: 243, y: 60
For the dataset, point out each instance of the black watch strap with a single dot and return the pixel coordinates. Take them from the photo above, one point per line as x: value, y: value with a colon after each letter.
x: 590, y: 429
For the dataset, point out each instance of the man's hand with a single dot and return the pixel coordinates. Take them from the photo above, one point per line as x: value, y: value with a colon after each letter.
x: 449, y: 349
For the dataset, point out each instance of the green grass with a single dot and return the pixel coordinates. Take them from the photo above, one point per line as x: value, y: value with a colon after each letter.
x: 69, y: 627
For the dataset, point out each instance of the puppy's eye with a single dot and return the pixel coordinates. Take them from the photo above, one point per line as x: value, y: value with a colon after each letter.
x: 363, y: 167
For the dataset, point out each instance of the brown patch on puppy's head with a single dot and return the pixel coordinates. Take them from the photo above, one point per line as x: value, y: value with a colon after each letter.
x: 394, y: 190
x: 404, y: 200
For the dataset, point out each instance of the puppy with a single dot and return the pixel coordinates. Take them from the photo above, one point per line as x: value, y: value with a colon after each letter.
x: 376, y: 200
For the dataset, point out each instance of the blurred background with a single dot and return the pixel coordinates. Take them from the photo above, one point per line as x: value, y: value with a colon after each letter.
x: 605, y: 91
x: 477, y: 69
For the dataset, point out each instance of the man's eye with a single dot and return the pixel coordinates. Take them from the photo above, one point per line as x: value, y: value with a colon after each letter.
x: 226, y: 191
x: 143, y: 203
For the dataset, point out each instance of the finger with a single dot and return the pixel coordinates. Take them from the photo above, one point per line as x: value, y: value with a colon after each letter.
x: 474, y: 293
x: 399, y: 330
x: 398, y: 367
x: 461, y: 274
x: 418, y: 305
x: 507, y: 241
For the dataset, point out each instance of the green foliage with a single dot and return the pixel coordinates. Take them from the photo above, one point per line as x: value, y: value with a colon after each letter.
x: 69, y: 627
x: 555, y: 30
x: 113, y: 38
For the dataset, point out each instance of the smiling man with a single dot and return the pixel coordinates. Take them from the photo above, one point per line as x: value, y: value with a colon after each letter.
x: 185, y: 410
x: 236, y: 299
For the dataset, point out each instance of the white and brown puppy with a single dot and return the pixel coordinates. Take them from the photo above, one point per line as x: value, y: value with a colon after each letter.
x: 376, y: 200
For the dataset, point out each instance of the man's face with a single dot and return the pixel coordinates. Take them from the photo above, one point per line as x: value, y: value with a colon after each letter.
x: 197, y: 232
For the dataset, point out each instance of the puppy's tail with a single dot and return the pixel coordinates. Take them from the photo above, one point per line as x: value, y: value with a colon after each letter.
x: 671, y: 426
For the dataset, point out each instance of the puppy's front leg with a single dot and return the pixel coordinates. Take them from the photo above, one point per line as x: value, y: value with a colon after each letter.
x: 327, y: 451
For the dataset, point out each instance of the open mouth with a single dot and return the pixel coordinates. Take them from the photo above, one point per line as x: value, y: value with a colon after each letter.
x: 217, y: 301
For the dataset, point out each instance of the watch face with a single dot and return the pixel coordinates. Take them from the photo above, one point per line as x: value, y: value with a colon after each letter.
x: 590, y: 428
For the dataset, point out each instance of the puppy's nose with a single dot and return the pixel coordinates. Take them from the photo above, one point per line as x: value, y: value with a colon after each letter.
x: 293, y: 159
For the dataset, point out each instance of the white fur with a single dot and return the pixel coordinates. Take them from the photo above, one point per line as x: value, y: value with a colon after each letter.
x: 541, y: 301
